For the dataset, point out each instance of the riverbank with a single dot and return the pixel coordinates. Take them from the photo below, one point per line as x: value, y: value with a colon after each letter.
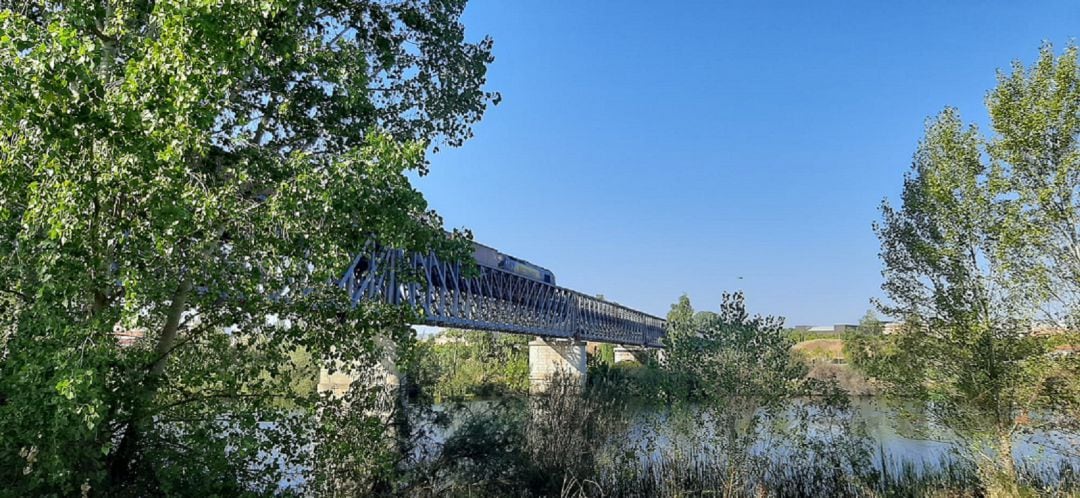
x: 735, y: 408
x: 601, y: 447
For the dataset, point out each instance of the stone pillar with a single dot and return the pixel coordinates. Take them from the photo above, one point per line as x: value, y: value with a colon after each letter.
x: 338, y: 382
x: 549, y: 358
x: 661, y: 356
x: 390, y: 405
x: 385, y: 373
x: 625, y: 353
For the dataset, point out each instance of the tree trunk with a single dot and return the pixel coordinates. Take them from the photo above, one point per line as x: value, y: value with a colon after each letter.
x: 999, y: 472
x: 1005, y: 456
x: 120, y: 461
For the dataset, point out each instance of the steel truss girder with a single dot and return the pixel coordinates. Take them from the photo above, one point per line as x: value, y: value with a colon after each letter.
x: 494, y: 300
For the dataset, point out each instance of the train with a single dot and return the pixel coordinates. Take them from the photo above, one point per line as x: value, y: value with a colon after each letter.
x: 489, y: 257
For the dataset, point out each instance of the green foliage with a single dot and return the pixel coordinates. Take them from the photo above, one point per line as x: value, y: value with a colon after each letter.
x: 544, y: 445
x: 714, y: 357
x: 632, y: 380
x: 607, y: 354
x: 730, y: 354
x: 197, y: 172
x: 860, y: 344
x: 1035, y: 112
x: 729, y: 378
x: 602, y: 449
x: 733, y: 373
x: 979, y: 249
x: 798, y: 336
x: 805, y: 474
x: 474, y: 364
x: 869, y: 324
x: 705, y: 430
x: 487, y: 455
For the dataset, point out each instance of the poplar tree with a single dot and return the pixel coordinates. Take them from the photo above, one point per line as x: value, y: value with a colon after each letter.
x: 976, y: 257
x: 196, y: 174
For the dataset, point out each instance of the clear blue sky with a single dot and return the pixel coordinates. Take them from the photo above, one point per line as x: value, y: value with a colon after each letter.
x: 647, y: 149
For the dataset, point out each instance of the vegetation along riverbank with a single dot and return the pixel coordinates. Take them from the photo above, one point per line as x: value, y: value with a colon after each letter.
x: 221, y: 262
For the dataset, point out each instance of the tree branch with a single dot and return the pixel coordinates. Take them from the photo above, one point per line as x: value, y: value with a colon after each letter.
x: 172, y: 326
x: 21, y: 295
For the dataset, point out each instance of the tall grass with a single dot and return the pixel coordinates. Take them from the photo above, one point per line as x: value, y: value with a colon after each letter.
x: 575, y: 443
x: 706, y: 477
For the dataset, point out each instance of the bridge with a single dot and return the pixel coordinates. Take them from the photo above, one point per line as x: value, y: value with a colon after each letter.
x: 515, y: 297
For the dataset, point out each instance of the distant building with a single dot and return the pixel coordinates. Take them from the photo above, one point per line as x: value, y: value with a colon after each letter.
x: 443, y: 338
x: 1038, y: 329
x: 840, y: 328
x: 127, y: 337
x: 889, y: 328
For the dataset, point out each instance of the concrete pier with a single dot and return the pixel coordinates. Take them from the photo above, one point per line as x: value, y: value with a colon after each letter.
x: 338, y: 383
x: 629, y: 353
x: 385, y: 373
x: 550, y: 358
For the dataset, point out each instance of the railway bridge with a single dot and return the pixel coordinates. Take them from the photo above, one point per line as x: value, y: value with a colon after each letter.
x: 503, y: 294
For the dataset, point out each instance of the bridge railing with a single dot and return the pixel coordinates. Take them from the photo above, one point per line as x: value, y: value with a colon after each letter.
x: 493, y: 299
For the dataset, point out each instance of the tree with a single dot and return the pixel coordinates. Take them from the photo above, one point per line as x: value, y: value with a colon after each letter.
x: 968, y: 265
x: 869, y: 324
x: 730, y: 355
x: 734, y: 372
x: 475, y: 363
x: 199, y: 173
x: 681, y: 328
x: 1036, y: 114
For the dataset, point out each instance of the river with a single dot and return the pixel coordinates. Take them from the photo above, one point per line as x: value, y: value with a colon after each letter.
x: 896, y: 437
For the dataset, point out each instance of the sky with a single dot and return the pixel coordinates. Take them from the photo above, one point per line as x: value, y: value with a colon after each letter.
x: 644, y: 150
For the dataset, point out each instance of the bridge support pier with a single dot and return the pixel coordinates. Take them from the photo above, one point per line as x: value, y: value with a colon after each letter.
x: 389, y: 407
x: 555, y: 358
x: 385, y: 373
x: 629, y: 353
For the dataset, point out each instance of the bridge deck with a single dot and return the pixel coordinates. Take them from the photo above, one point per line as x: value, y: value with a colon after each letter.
x: 494, y: 300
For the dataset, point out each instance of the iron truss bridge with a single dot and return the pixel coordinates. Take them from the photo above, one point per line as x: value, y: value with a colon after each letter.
x: 494, y: 299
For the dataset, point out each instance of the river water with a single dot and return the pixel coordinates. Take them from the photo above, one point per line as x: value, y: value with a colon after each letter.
x: 896, y: 437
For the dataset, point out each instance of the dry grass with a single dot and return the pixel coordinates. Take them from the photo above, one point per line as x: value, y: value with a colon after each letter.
x: 816, y: 349
x: 826, y: 360
x: 850, y: 380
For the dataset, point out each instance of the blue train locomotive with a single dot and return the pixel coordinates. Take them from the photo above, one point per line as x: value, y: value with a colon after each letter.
x: 491, y: 258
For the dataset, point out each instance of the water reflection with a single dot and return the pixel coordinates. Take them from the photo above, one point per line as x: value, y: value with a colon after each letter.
x: 894, y: 437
